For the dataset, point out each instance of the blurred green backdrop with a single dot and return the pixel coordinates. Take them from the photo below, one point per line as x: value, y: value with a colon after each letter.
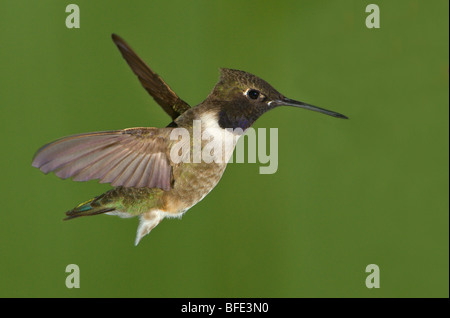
x: 371, y: 190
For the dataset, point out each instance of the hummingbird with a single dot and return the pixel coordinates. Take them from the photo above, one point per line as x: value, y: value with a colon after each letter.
x: 137, y: 162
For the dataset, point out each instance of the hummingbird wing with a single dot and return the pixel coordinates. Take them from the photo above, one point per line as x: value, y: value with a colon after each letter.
x: 134, y: 157
x: 152, y: 82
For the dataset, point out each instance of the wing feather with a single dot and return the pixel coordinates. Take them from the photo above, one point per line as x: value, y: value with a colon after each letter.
x: 135, y: 157
x: 139, y: 173
x: 71, y: 166
x: 152, y: 82
x: 52, y: 158
x: 96, y: 169
x: 133, y: 177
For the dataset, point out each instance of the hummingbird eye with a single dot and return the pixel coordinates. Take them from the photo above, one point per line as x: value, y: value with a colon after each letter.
x: 253, y: 93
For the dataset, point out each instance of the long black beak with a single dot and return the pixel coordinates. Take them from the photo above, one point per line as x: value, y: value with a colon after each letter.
x: 290, y: 102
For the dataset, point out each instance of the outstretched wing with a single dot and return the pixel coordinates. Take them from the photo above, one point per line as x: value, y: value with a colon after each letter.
x: 152, y: 82
x: 134, y: 157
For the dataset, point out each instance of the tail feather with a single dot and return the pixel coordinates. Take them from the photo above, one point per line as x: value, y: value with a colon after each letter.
x: 87, y: 208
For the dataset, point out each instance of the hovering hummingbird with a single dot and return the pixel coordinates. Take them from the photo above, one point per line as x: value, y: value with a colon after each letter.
x: 137, y: 162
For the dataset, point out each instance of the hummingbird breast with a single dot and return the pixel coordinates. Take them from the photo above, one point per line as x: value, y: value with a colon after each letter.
x: 193, y: 180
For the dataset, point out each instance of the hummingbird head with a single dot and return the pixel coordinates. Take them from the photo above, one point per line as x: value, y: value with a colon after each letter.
x: 242, y: 98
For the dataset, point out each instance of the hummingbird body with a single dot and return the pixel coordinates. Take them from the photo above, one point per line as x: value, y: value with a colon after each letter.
x: 193, y: 182
x: 148, y: 182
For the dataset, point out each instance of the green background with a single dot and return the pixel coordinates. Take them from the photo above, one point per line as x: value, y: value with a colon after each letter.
x: 370, y: 190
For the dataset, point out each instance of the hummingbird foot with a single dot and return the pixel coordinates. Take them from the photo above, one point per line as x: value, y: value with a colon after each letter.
x: 148, y: 221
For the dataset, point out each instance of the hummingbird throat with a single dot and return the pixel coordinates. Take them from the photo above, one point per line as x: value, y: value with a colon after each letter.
x: 235, y: 120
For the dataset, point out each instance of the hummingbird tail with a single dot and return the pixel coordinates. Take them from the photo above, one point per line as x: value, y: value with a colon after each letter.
x: 91, y: 207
